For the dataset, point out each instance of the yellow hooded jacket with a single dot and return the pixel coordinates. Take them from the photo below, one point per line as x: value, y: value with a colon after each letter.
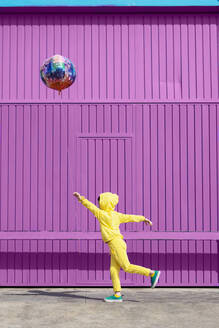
x: 108, y: 218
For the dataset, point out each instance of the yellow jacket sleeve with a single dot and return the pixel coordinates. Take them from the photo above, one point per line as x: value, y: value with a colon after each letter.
x: 124, y: 218
x: 91, y: 207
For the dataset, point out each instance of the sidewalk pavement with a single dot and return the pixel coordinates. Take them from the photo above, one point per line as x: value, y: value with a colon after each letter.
x: 84, y: 307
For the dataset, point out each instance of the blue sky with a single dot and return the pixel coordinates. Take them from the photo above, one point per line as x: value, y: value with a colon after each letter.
x: 21, y: 3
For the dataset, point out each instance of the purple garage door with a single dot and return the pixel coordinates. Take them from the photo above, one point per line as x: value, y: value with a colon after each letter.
x: 141, y: 120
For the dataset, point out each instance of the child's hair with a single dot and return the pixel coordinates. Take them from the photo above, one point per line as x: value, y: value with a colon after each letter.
x: 98, y: 198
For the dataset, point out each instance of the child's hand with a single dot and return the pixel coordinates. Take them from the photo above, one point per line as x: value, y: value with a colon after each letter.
x: 77, y: 195
x: 147, y: 221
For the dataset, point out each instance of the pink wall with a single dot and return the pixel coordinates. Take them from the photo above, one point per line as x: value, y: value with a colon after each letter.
x: 117, y: 56
x: 161, y: 159
x: 141, y: 120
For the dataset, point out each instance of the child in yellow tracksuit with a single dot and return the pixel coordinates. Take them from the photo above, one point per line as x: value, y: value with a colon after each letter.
x: 109, y: 226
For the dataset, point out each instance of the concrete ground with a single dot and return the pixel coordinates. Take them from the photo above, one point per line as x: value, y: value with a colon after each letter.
x: 84, y: 307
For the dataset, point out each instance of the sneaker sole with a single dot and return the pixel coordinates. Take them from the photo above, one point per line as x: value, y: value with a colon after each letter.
x: 156, y: 280
x: 113, y: 301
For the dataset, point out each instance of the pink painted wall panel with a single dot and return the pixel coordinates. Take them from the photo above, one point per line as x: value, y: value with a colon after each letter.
x: 162, y: 160
x: 117, y: 57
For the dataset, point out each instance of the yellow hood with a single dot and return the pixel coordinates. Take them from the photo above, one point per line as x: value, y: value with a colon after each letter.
x: 108, y: 201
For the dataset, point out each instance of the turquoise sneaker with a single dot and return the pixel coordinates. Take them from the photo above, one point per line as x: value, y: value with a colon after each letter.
x: 113, y: 299
x: 155, y: 278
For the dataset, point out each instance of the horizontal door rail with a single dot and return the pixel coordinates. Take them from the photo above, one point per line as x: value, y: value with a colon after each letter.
x: 97, y: 235
x: 93, y: 102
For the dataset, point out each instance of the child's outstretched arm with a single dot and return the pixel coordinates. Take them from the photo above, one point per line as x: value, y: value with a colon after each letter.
x: 90, y: 206
x: 124, y: 218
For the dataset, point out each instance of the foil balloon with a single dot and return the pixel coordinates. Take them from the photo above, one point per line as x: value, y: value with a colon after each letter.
x: 58, y: 72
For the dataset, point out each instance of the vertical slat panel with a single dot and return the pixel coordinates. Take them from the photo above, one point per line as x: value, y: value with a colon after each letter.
x: 4, y: 167
x: 184, y: 263
x: 50, y: 48
x: 11, y: 168
x: 198, y: 168
x: 84, y: 157
x: 95, y: 53
x: 41, y: 250
x: 147, y: 165
x: 35, y: 67
x: 200, y: 262
x: 62, y: 174
x: 132, y: 52
x: 154, y: 172
x: 161, y: 169
x: 162, y: 57
x: 191, y: 168
x: 98, y: 253
x: 49, y: 167
x: 93, y: 265
x: 169, y: 167
x: 72, y: 261
x: 3, y: 262
x: 28, y: 59
x: 169, y: 254
x: 117, y: 57
x: 206, y: 168
x: 139, y: 58
x: 213, y: 53
x: 73, y: 52
x: 72, y: 179
x: 26, y: 169
x: 191, y: 59
x: 199, y: 57
x: 13, y: 78
x: 48, y: 261
x: 155, y: 58
x: 138, y: 185
x: 125, y: 58
x: 26, y: 262
x: 170, y: 56
x: 11, y: 262
x: 214, y: 262
x: 6, y: 51
x: 176, y: 168
x: 206, y: 57
x: 177, y: 60
x: 56, y: 261
x: 109, y: 56
x: 184, y: 57
x: 213, y: 141
x: 65, y: 42
x: 177, y: 262
x: 192, y: 255
x: 57, y: 27
x: 88, y: 62
x: 42, y: 52
x: 19, y: 167
x: 183, y: 169
x: 121, y: 176
x: 162, y: 261
x: 56, y: 161
x: 207, y: 263
x: 147, y: 56
x: 42, y: 168
x: 103, y: 70
x: 91, y: 194
x: 34, y: 167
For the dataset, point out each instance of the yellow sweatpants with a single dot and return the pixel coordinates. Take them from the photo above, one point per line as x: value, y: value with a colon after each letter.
x: 119, y: 259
